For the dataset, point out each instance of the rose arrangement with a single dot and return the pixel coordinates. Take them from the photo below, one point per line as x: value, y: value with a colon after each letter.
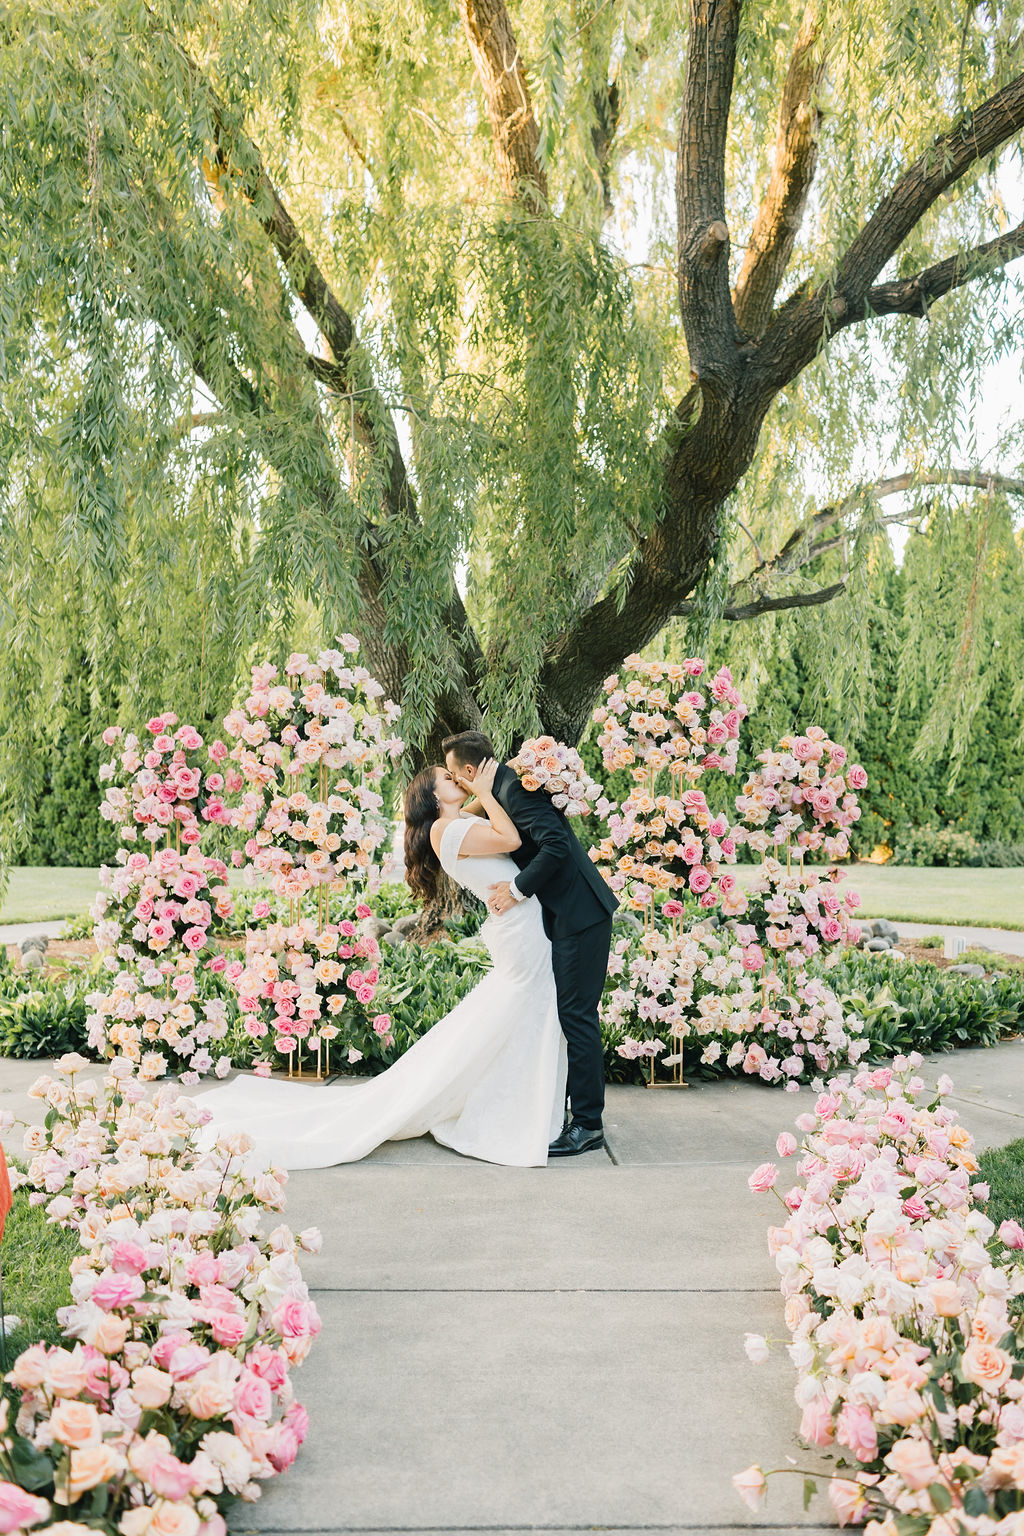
x: 173, y: 1394
x: 160, y: 1012
x: 654, y: 720
x: 796, y: 912
x: 898, y: 1293
x: 308, y: 754
x: 296, y: 980
x: 160, y: 909
x: 655, y: 717
x: 706, y: 986
x: 659, y: 844
x: 547, y: 764
x: 804, y: 789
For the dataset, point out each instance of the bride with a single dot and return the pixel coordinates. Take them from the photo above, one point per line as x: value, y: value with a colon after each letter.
x: 489, y: 1078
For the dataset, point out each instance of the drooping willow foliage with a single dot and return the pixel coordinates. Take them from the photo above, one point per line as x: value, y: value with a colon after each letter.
x: 190, y: 475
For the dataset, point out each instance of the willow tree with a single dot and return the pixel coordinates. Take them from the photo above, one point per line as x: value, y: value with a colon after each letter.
x: 350, y: 301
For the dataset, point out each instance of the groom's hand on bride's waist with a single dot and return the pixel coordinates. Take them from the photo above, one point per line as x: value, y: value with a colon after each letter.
x: 502, y: 897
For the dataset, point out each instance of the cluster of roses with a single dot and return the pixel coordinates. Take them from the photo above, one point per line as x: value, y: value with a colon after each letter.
x: 308, y: 752
x: 654, y: 720
x: 898, y: 1293
x: 803, y: 789
x: 296, y: 980
x: 544, y: 763
x: 660, y: 844
x: 706, y: 986
x: 796, y: 912
x: 173, y: 1394
x: 158, y: 911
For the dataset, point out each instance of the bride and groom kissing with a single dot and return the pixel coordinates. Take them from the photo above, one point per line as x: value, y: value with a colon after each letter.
x: 491, y: 1079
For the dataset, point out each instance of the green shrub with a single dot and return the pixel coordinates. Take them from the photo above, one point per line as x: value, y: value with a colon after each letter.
x: 933, y: 1010
x: 949, y: 847
x: 931, y: 941
x: 42, y: 1015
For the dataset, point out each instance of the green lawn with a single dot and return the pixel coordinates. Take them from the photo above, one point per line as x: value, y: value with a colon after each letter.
x: 982, y: 898
x: 979, y: 898
x: 1003, y: 1168
x: 36, y: 895
x: 36, y: 1275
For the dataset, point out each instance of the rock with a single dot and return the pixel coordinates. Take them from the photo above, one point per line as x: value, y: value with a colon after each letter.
x: 394, y: 939
x: 39, y: 942
x: 877, y: 946
x: 867, y: 929
x: 627, y: 920
x: 405, y: 924
x: 32, y: 960
x: 976, y: 972
x: 376, y: 927
x: 886, y: 930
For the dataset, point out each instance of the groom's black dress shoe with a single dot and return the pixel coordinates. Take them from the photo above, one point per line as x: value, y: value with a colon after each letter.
x: 576, y: 1138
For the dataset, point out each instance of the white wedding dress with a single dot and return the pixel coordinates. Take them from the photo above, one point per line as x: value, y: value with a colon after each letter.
x: 487, y: 1080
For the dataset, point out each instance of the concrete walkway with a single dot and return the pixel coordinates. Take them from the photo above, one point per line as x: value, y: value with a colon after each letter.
x: 558, y: 1349
x: 1005, y: 941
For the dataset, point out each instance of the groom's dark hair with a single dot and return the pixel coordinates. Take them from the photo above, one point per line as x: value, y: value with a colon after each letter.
x: 471, y: 748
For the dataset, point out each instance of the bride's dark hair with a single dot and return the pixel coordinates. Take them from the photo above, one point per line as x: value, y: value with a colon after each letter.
x: 421, y: 811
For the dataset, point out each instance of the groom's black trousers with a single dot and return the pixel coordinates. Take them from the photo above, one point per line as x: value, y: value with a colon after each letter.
x: 580, y: 964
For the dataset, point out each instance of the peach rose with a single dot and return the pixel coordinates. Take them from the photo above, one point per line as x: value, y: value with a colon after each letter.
x: 75, y: 1424
x: 108, y: 1333
x: 151, y: 1388
x: 987, y: 1366
x: 66, y: 1373
x: 210, y: 1399
x: 89, y: 1466
x: 750, y: 1485
x: 912, y: 1461
x: 173, y: 1519
x: 945, y: 1297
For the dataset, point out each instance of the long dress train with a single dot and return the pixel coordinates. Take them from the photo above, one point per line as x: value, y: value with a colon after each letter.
x: 487, y: 1080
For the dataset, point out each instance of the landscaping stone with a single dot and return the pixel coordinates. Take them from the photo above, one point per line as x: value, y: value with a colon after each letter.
x: 393, y: 938
x: 38, y: 941
x: 406, y: 924
x: 32, y: 960
x: 376, y: 927
x: 977, y: 972
x: 877, y: 946
x: 886, y: 930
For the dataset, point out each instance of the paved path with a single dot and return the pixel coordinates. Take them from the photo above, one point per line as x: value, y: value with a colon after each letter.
x: 557, y: 1349
x: 13, y: 933
x: 1005, y: 941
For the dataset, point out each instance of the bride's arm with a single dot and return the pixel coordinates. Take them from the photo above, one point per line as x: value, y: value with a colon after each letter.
x: 496, y: 834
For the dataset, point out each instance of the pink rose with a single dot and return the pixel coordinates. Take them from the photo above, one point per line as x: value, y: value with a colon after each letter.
x: 168, y: 1476
x: 253, y: 1396
x: 700, y: 879
x: 1011, y: 1234
x: 363, y: 911
x: 763, y: 1178
x: 750, y: 1485
x: 194, y: 938
x: 856, y: 777
x: 227, y: 1328
x: 831, y: 930
x: 855, y: 1428
x: 365, y: 993
x: 673, y: 909
x: 269, y: 1364
x: 202, y: 1269
x: 284, y: 1447
x: 116, y: 1290
x: 19, y: 1509
x: 128, y: 1258
x: 785, y: 1144
x: 295, y: 1318
x: 186, y: 1360
x: 816, y: 1423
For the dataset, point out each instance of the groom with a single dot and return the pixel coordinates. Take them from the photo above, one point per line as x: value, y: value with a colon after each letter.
x: 578, y: 908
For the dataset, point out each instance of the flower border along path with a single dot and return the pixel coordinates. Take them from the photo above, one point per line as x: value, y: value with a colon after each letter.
x: 173, y: 1395
x: 909, y: 1352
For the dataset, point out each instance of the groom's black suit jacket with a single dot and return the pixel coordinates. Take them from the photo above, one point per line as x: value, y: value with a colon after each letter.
x: 553, y: 865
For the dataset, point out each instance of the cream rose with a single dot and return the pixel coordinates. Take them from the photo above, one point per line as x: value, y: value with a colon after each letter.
x: 173, y: 1519
x: 945, y: 1297
x: 151, y: 1388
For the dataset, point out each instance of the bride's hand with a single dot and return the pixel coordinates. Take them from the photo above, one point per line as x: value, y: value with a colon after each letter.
x: 483, y: 780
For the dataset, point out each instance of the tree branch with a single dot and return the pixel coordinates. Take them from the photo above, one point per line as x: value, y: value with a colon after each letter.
x: 796, y: 156
x: 772, y: 604
x: 914, y: 295
x: 607, y: 105
x: 712, y: 336
x: 797, y: 331
x: 516, y: 137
